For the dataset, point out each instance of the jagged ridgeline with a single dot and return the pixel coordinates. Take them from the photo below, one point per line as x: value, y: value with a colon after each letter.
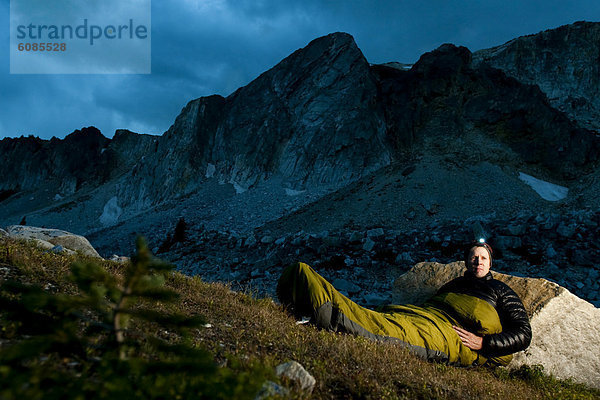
x: 321, y: 119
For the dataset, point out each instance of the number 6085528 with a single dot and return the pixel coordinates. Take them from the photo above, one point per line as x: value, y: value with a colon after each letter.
x: 42, y: 46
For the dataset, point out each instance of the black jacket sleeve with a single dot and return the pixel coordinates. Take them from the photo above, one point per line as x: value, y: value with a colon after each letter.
x: 516, y: 330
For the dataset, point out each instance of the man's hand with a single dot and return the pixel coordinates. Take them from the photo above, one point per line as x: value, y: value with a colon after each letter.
x: 469, y: 339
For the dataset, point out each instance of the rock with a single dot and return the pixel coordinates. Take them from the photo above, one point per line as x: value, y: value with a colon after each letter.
x: 435, y: 239
x: 582, y: 258
x: 560, y: 62
x: 566, y: 231
x: 405, y: 256
x: 314, y: 244
x: 65, y: 239
x: 376, y: 299
x: 287, y: 108
x: 507, y: 242
x: 250, y: 241
x: 410, y: 214
x: 552, y: 268
x: 255, y: 273
x: 267, y: 239
x: 375, y: 233
x: 76, y: 243
x: 431, y: 208
x: 322, y: 235
x: 43, y: 244
x: 119, y: 259
x: 58, y: 249
x: 59, y: 164
x: 322, y: 250
x: 550, y: 222
x: 516, y: 230
x: 356, y: 237
x: 3, y: 233
x: 566, y: 339
x: 368, y: 244
x: 550, y: 252
x: 332, y: 241
x: 270, y: 389
x: 551, y: 346
x: 111, y: 212
x: 296, y: 372
x: 409, y: 170
x: 344, y: 285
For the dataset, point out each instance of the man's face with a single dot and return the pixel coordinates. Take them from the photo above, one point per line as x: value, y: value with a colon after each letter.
x: 479, y: 261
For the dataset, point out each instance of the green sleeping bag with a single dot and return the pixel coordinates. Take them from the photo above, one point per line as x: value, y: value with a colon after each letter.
x: 426, y: 330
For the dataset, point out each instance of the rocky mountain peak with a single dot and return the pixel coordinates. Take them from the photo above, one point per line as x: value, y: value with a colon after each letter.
x: 335, y: 54
x: 80, y: 150
x: 331, y: 41
x: 446, y: 59
x: 323, y: 50
x: 32, y: 163
x: 454, y: 103
x: 90, y: 133
x: 308, y: 120
x: 563, y: 62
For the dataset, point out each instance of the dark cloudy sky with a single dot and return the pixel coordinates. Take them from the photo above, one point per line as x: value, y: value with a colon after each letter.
x: 203, y: 47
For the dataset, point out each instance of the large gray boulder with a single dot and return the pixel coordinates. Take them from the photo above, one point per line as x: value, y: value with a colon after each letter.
x: 566, y: 339
x: 294, y: 371
x: 54, y: 237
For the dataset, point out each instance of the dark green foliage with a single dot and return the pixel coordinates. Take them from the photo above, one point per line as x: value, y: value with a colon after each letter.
x: 80, y: 346
x: 534, y: 373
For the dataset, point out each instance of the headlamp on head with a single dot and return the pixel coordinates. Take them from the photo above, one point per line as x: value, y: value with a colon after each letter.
x: 480, y: 242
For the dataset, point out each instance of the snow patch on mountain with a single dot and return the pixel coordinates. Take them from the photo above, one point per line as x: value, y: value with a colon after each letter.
x: 111, y: 212
x: 546, y: 190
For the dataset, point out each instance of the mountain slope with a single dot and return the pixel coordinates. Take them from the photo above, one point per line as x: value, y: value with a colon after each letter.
x: 315, y: 123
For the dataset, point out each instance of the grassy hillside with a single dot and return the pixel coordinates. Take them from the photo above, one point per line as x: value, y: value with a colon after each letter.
x: 238, y: 344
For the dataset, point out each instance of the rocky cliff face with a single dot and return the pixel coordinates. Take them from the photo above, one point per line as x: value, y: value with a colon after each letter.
x: 563, y: 62
x: 29, y: 162
x: 311, y: 120
x: 57, y: 179
x: 444, y: 98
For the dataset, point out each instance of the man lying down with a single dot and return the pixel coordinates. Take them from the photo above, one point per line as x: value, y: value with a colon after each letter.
x: 473, y: 319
